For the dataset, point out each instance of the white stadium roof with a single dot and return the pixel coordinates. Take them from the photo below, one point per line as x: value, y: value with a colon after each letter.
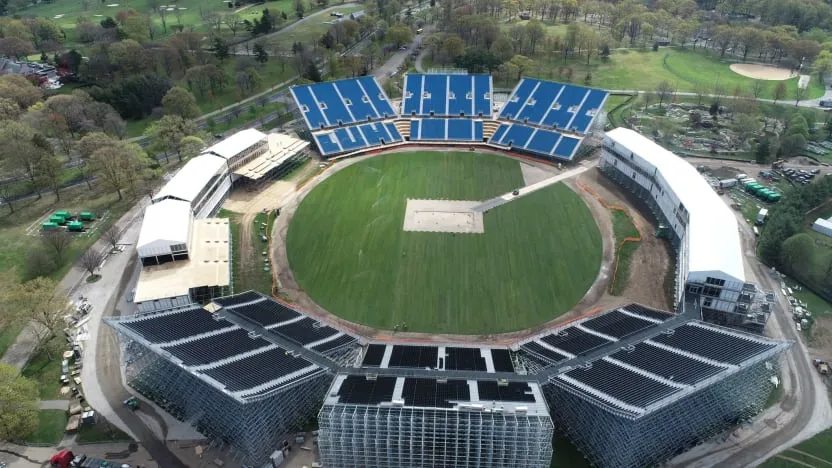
x: 190, y: 180
x: 236, y: 143
x: 168, y: 221
x: 713, y: 235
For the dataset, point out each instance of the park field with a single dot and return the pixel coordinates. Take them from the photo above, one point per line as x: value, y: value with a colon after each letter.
x: 816, y: 451
x: 538, y: 256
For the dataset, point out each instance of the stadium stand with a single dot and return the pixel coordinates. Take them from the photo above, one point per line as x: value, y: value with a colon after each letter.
x: 437, y: 95
x: 553, y: 105
x: 356, y: 137
x: 337, y: 103
x: 432, y: 129
x: 547, y: 143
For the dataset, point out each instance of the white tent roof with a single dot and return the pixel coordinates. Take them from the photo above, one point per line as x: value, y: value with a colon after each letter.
x: 713, y: 235
x: 168, y: 220
x: 236, y: 143
x: 193, y: 176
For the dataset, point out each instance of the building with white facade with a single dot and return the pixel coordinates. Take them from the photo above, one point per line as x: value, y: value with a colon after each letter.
x: 703, y: 228
x: 823, y: 226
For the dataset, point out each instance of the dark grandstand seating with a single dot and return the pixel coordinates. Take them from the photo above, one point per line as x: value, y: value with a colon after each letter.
x: 712, y: 344
x: 241, y: 298
x: 616, y: 324
x: 606, y: 377
x: 469, y: 359
x: 514, y: 391
x: 502, y: 360
x: 216, y: 347
x: 358, y: 390
x: 574, y: 341
x: 431, y: 393
x: 414, y: 356
x: 549, y: 356
x: 256, y: 370
x: 374, y: 355
x: 646, y: 312
x: 336, y: 343
x: 304, y: 331
x: 670, y: 365
x: 174, y: 326
x: 265, y: 313
x: 335, y: 103
x: 547, y: 143
x: 447, y: 95
x: 553, y: 105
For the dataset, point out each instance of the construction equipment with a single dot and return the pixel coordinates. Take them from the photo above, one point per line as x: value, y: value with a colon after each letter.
x: 132, y: 403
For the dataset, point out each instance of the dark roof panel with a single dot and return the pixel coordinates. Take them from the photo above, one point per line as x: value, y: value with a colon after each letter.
x: 648, y: 312
x: 256, y: 370
x: 304, y: 331
x: 431, y: 393
x: 514, y: 391
x: 242, y: 298
x: 216, y: 347
x: 622, y: 384
x: 713, y: 344
x: 548, y: 356
x: 265, y: 313
x: 330, y: 345
x: 502, y: 360
x: 667, y: 364
x: 617, y: 324
x: 468, y: 359
x: 356, y: 389
x: 414, y: 356
x: 574, y: 341
x: 374, y: 355
x: 164, y: 328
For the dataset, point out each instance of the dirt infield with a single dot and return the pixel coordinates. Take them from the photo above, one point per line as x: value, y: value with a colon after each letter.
x: 762, y: 72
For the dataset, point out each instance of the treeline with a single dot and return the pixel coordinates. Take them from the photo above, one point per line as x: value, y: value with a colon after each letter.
x: 784, y: 244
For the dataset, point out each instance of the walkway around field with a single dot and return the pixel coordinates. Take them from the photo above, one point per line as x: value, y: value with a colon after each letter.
x: 812, y: 103
x: 503, y: 199
x: 54, y: 404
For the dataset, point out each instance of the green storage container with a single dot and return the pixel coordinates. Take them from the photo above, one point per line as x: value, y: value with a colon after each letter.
x: 65, y: 213
x: 76, y: 226
x: 57, y: 219
x: 49, y: 226
x: 87, y: 216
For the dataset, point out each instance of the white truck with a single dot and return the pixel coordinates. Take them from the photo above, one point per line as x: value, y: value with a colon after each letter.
x: 761, y: 216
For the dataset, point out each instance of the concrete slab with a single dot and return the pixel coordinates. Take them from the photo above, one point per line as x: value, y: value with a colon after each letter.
x: 453, y: 216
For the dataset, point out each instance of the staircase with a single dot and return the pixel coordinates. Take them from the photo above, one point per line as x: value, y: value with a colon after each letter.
x: 489, y: 127
x: 403, y: 126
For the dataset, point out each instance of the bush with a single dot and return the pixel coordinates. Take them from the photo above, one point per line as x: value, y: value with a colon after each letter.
x: 38, y: 263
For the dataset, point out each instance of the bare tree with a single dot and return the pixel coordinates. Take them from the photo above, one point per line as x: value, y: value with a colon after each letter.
x: 91, y: 260
x: 57, y: 241
x: 757, y: 88
x: 112, y: 235
x: 663, y: 91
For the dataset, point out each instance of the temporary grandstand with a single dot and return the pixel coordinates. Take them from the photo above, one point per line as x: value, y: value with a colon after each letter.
x: 701, y: 227
x: 244, y: 370
x: 545, y: 119
x: 631, y: 386
x: 404, y: 422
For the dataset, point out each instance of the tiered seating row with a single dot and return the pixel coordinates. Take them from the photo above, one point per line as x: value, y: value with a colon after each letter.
x: 257, y: 369
x: 445, y: 130
x: 336, y: 103
x: 357, y: 137
x: 447, y: 95
x: 547, y: 143
x: 555, y: 105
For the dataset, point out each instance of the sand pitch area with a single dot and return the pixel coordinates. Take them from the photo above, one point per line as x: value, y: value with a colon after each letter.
x: 443, y: 216
x: 762, y: 72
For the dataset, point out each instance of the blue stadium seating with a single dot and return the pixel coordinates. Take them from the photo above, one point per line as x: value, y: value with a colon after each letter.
x: 344, y: 102
x: 357, y: 137
x: 546, y: 143
x: 327, y: 143
x: 439, y: 95
x: 431, y: 129
x: 549, y: 104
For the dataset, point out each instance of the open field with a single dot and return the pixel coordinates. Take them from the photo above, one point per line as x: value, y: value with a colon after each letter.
x: 47, y: 372
x: 51, y: 425
x: 102, y: 431
x: 538, y: 256
x: 644, y: 70
x: 623, y: 228
x: 310, y: 31
x: 816, y: 451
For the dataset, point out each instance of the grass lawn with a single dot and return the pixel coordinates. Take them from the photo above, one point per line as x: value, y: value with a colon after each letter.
x: 255, y: 277
x: 538, y: 256
x: 311, y: 30
x: 50, y: 431
x: 644, y: 70
x: 623, y: 228
x: 816, y: 451
x: 46, y: 372
x: 552, y: 29
x: 100, y: 432
x: 8, y: 336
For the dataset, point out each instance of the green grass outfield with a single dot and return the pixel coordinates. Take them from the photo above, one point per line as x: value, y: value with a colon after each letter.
x: 816, y: 451
x: 538, y: 256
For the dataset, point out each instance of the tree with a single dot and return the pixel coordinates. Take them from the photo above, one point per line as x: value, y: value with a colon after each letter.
x: 779, y: 91
x: 746, y: 126
x: 167, y: 133
x: 190, y: 146
x: 232, y: 22
x: 43, y: 303
x: 260, y: 53
x: 792, y: 145
x: 663, y: 90
x: 758, y: 88
x: 823, y: 64
x: 91, y: 260
x: 220, y: 49
x: 502, y: 48
x: 762, y: 153
x: 27, y: 153
x: 798, y: 250
x: 39, y: 262
x: 20, y: 90
x: 179, y: 101
x: 57, y: 242
x: 452, y: 47
x: 112, y: 235
x: 399, y: 34
x: 312, y: 73
x: 9, y: 110
x: 14, y: 47
x: 300, y: 7
x: 121, y: 165
x: 20, y: 404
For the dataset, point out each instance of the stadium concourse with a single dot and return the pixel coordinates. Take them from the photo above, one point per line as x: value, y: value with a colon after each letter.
x: 541, y: 118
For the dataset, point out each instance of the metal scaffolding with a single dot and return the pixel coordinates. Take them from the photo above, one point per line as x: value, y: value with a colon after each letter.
x: 359, y: 435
